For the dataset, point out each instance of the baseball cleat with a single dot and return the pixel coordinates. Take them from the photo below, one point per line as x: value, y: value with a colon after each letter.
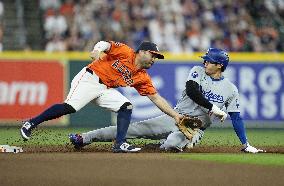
x: 76, y: 140
x: 251, y: 149
x: 26, y: 130
x: 124, y: 147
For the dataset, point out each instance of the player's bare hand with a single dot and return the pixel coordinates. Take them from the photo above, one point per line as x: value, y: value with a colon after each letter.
x: 178, y: 118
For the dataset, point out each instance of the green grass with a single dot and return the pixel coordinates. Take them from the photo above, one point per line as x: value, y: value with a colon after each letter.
x: 212, y: 137
x: 257, y: 137
x: 41, y: 136
x: 257, y: 159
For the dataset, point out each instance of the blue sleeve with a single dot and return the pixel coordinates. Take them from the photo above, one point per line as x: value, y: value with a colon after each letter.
x: 238, y: 125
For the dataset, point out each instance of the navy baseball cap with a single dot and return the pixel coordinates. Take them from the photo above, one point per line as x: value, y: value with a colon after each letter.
x: 151, y: 47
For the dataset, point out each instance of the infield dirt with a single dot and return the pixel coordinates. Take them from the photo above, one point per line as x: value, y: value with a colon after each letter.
x: 64, y: 166
x: 146, y: 148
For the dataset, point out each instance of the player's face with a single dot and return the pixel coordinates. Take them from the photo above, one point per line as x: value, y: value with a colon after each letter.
x: 147, y: 59
x: 212, y: 68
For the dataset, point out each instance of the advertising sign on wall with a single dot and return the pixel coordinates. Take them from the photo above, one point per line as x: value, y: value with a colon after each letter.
x: 260, y: 86
x: 28, y: 87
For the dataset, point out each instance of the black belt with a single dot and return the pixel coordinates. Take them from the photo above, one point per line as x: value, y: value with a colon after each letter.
x: 92, y: 72
x: 89, y: 70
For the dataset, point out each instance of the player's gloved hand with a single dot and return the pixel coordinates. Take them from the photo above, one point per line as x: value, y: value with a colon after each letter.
x: 218, y: 112
x: 251, y: 149
x: 189, y: 126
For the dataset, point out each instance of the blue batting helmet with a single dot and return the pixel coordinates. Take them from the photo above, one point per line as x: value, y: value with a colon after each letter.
x: 217, y: 56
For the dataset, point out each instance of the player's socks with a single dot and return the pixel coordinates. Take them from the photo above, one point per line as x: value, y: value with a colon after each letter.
x: 202, y: 128
x: 55, y: 111
x: 239, y: 127
x: 123, y: 121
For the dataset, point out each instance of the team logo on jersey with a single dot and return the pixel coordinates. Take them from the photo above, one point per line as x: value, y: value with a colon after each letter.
x: 237, y: 103
x: 123, y: 70
x: 194, y: 74
x: 117, y: 43
x: 213, y: 97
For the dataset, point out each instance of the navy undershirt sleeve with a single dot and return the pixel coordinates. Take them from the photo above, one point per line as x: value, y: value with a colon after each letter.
x: 194, y: 93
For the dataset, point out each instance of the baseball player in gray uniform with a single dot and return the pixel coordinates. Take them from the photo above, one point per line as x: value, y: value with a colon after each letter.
x: 203, y: 97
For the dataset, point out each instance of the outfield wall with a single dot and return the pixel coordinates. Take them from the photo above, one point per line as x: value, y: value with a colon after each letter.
x: 32, y: 81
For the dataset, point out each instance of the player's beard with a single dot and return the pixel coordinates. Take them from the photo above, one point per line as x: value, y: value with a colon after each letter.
x: 146, y: 64
x: 146, y: 60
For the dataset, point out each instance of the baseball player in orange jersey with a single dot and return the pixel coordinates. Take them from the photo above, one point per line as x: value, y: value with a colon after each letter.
x: 115, y: 65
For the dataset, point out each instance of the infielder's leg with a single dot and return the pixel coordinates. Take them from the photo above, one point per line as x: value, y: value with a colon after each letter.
x: 84, y: 88
x: 154, y: 128
x: 113, y: 100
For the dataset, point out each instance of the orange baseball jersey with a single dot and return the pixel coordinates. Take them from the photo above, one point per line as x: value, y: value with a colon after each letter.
x: 117, y: 69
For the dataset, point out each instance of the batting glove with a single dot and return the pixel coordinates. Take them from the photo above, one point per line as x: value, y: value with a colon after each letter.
x: 95, y: 55
x: 218, y: 112
x: 99, y: 49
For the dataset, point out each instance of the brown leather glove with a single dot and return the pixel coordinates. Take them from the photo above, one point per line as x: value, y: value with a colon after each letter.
x: 188, y: 125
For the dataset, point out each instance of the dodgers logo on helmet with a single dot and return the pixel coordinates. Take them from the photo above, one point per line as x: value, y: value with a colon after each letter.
x: 217, y: 56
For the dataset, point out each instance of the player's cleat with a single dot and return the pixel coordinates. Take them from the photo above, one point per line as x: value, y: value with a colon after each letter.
x: 162, y: 141
x: 124, y: 147
x: 26, y: 130
x: 77, y: 141
x: 195, y: 139
x: 251, y: 149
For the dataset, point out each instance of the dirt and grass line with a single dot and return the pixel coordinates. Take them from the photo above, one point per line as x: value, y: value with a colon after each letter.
x: 270, y: 159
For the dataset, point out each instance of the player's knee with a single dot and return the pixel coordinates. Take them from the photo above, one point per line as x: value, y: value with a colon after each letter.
x: 68, y: 109
x: 170, y: 145
x: 174, y: 141
x: 126, y: 106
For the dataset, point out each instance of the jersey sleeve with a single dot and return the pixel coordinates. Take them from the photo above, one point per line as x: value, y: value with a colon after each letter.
x: 119, y: 50
x: 195, y: 74
x: 145, y: 86
x: 233, y: 103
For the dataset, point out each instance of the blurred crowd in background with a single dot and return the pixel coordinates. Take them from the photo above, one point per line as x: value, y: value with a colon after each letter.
x: 174, y: 25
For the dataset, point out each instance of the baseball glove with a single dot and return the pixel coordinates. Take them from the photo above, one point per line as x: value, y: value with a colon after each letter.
x: 188, y: 125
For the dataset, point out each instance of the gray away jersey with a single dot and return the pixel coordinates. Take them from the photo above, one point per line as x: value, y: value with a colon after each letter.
x: 221, y: 93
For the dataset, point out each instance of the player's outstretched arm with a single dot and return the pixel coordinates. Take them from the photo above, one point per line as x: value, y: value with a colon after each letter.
x: 164, y: 106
